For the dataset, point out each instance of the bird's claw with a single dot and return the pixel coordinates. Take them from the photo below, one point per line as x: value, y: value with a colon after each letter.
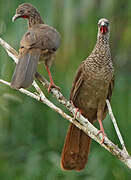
x: 103, y: 135
x: 52, y: 85
x: 77, y: 111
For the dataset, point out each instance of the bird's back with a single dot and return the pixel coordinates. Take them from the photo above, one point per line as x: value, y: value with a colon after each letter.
x: 41, y: 36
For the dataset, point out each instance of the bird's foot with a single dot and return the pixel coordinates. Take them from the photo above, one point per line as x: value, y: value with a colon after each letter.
x: 52, y: 85
x: 101, y: 131
x: 77, y: 111
x: 103, y: 135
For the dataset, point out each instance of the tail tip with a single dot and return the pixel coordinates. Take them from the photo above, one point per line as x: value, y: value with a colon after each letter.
x: 13, y: 86
x: 66, y: 166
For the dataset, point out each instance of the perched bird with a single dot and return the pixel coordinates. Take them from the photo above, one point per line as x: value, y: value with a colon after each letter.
x: 93, y: 84
x: 39, y: 43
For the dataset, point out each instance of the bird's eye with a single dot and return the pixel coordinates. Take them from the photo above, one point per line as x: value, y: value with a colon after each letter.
x: 21, y: 11
x: 29, y: 12
x: 107, y: 23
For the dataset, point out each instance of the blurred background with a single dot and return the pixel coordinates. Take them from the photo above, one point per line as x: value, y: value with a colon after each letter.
x: 31, y: 134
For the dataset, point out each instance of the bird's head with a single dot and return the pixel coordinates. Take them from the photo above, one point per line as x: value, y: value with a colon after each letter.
x: 103, y: 26
x: 25, y: 11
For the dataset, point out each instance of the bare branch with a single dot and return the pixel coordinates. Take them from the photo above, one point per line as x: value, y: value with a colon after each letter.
x: 28, y: 93
x: 116, y: 126
x: 82, y: 122
x: 10, y: 51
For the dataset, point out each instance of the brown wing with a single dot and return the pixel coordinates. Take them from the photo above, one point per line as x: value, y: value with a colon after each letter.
x: 29, y: 40
x: 41, y: 36
x: 77, y: 83
x: 111, y: 86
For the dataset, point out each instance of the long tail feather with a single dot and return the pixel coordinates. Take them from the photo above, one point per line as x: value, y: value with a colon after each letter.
x: 76, y: 149
x: 25, y: 69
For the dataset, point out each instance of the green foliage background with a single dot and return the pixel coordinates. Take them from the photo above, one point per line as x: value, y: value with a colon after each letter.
x: 31, y: 134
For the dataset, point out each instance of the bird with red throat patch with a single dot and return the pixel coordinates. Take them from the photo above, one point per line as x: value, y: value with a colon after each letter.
x: 92, y: 85
x: 39, y: 43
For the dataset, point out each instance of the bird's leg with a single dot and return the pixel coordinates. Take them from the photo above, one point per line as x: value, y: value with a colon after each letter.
x: 99, y: 117
x: 52, y: 85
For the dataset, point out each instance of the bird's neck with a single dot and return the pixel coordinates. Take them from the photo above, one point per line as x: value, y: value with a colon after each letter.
x: 103, y: 40
x: 35, y: 20
x: 102, y: 48
x: 102, y: 44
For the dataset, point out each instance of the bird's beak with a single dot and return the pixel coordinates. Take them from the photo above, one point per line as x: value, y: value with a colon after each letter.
x: 15, y: 17
x: 103, y: 28
x: 103, y: 24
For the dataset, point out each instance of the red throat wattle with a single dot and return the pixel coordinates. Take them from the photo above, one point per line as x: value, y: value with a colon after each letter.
x: 103, y: 29
x: 24, y: 16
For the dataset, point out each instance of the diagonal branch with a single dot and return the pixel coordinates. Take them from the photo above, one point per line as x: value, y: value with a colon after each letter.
x: 116, y: 126
x: 81, y: 122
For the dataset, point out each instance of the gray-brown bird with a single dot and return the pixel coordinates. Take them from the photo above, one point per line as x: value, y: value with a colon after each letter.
x: 40, y: 42
x: 93, y: 84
